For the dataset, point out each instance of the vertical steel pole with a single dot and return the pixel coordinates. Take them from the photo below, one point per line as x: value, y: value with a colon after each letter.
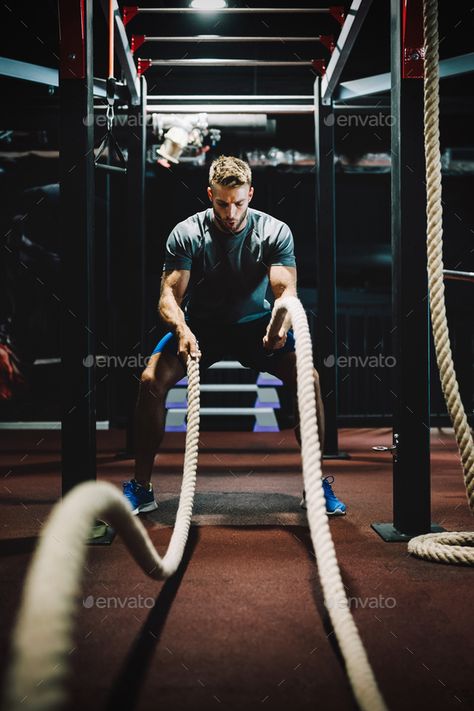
x: 111, y: 316
x: 77, y: 243
x: 136, y: 291
x: 411, y: 344
x: 325, y: 346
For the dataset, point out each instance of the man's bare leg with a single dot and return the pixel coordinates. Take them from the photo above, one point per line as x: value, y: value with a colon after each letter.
x: 162, y: 372
x: 285, y: 369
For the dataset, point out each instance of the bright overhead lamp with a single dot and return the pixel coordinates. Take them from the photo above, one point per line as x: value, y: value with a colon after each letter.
x: 208, y: 5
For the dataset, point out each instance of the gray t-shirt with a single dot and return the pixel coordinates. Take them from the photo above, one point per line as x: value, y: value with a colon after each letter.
x: 229, y: 272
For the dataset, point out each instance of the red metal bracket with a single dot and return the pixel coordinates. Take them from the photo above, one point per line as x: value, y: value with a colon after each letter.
x: 338, y: 12
x: 72, y: 64
x: 143, y: 65
x: 413, y: 51
x: 328, y: 42
x: 319, y: 66
x: 128, y: 13
x: 136, y: 42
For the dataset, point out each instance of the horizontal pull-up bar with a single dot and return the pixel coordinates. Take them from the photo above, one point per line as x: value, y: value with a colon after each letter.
x: 458, y: 276
x: 222, y: 38
x: 231, y: 108
x: 336, y: 11
x: 227, y: 63
x: 137, y: 41
x: 231, y: 97
x: 227, y: 10
x: 318, y: 65
x: 265, y: 100
x: 245, y: 108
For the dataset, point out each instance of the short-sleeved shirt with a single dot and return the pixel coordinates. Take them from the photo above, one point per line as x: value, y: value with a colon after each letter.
x: 229, y: 272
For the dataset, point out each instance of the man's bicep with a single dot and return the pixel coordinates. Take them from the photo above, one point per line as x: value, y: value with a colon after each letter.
x: 176, y: 281
x: 282, y: 279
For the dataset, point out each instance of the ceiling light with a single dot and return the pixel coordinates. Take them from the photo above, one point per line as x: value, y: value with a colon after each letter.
x: 208, y: 5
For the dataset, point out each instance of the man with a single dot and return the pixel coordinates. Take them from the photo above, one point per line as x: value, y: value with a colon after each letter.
x: 227, y: 255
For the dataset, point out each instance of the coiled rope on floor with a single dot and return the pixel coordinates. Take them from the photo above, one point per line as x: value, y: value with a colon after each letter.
x: 44, y: 632
x: 441, y: 547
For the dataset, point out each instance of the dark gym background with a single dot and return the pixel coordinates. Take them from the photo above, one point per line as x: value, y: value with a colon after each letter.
x: 29, y: 172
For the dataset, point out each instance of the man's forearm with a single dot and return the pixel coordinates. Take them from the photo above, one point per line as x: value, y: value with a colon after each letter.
x: 171, y: 312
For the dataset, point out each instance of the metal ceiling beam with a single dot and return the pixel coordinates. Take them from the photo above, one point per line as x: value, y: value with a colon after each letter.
x: 265, y: 100
x: 455, y: 66
x: 231, y: 97
x: 28, y: 72
x: 380, y: 83
x: 231, y: 108
x: 244, y: 108
x: 50, y: 77
x: 376, y: 84
x: 345, y: 42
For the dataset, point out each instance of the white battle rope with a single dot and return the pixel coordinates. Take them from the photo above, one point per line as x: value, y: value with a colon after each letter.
x: 361, y: 676
x: 44, y: 633
x: 441, y: 547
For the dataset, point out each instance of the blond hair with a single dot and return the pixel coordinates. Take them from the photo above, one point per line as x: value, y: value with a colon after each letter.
x: 229, y: 171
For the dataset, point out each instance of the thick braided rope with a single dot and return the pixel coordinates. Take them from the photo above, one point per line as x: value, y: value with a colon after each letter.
x: 44, y: 633
x: 455, y: 547
x: 358, y: 668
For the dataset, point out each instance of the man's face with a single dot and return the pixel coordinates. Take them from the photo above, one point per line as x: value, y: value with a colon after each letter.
x: 230, y: 206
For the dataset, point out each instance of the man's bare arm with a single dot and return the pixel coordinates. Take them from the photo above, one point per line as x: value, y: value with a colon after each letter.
x: 173, y: 288
x: 282, y: 281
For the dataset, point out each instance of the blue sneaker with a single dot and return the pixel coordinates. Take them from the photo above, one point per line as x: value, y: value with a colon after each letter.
x: 139, y: 497
x: 334, y: 507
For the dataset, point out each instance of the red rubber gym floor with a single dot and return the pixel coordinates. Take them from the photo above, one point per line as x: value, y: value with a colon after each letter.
x: 245, y: 627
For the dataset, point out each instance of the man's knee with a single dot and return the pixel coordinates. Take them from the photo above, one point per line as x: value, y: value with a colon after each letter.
x: 151, y: 386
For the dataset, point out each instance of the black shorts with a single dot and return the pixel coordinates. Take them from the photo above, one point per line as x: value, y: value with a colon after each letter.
x: 237, y: 341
